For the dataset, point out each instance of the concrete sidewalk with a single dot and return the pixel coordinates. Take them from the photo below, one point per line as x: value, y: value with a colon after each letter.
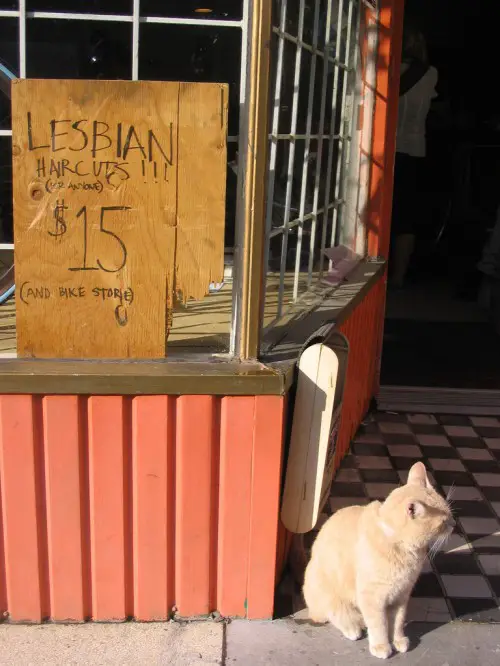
x: 240, y: 643
x: 129, y: 644
x: 288, y: 643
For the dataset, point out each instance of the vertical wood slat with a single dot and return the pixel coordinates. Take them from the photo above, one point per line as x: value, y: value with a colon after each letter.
x: 107, y: 469
x: 21, y: 518
x: 4, y: 604
x: 237, y: 421
x: 254, y: 167
x: 265, y: 494
x: 385, y: 115
x: 196, y: 443
x: 377, y: 147
x: 199, y: 222
x: 64, y: 496
x: 153, y: 496
x: 380, y: 324
x: 392, y: 14
x: 362, y: 330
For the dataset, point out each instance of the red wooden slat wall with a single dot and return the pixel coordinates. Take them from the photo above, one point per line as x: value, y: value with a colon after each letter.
x: 363, y: 330
x: 117, y: 507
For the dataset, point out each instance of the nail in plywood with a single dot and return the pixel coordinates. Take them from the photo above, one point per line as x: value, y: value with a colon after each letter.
x: 119, y: 191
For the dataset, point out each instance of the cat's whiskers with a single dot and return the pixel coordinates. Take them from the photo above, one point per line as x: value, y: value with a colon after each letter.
x: 437, y: 545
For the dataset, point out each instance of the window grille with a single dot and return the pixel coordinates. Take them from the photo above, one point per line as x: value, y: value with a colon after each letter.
x: 311, y: 142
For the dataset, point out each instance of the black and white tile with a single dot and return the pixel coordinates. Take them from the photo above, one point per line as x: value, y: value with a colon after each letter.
x: 462, y: 455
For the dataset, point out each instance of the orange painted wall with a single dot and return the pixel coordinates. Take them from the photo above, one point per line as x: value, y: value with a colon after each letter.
x: 383, y: 149
x: 385, y: 116
x: 117, y: 507
x: 363, y: 330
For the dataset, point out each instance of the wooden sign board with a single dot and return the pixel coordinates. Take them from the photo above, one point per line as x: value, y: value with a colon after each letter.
x: 119, y: 211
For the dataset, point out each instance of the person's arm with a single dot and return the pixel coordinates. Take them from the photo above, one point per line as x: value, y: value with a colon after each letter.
x: 411, y: 76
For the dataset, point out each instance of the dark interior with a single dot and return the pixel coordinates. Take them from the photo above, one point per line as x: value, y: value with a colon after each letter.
x: 442, y: 328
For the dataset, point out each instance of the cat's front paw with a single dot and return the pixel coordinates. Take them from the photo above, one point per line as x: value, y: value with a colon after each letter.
x: 402, y: 644
x: 353, y: 634
x: 382, y: 651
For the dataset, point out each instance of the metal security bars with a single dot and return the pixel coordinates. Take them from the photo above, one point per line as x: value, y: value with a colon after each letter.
x: 315, y: 71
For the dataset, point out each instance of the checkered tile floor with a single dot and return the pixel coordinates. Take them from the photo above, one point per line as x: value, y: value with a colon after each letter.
x: 463, y: 581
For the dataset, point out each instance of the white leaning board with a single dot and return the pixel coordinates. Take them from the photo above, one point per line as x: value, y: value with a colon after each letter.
x: 312, y: 417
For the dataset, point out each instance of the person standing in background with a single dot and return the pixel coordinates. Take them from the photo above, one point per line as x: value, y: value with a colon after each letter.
x: 418, y: 82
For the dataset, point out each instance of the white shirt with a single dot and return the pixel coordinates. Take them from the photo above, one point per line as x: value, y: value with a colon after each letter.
x: 412, y: 114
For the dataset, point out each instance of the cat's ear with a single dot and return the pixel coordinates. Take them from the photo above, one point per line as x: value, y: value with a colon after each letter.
x: 417, y: 476
x: 415, y: 509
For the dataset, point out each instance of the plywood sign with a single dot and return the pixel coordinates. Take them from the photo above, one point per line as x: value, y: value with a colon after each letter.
x: 119, y: 207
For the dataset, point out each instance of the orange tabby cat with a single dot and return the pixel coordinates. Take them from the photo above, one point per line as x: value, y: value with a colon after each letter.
x: 366, y: 560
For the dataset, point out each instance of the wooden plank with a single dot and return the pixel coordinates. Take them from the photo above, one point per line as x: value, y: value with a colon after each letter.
x: 153, y: 448
x: 108, y: 517
x: 236, y: 441
x: 255, y: 181
x: 293, y: 493
x: 196, y: 476
x: 75, y: 247
x: 202, y: 158
x: 312, y: 418
x: 63, y: 481
x: 22, y: 520
x: 174, y: 378
x: 96, y: 211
